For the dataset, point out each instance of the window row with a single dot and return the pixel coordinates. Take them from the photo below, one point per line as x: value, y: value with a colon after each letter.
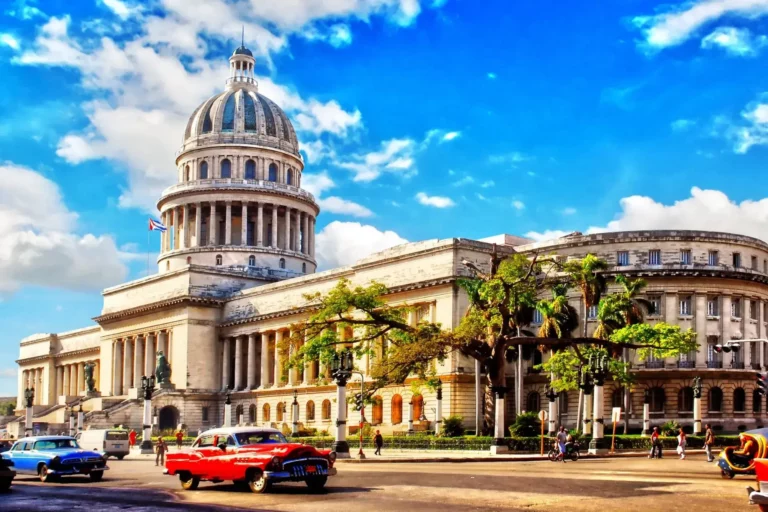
x: 686, y: 258
x: 225, y: 171
x: 252, y: 262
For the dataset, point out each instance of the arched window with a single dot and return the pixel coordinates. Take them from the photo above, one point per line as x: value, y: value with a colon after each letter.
x: 252, y: 413
x: 251, y: 261
x: 238, y: 412
x: 226, y: 168
x: 279, y: 411
x: 265, y: 413
x: 272, y: 172
x: 397, y: 410
x: 228, y: 122
x: 739, y: 400
x: 377, y: 416
x: 189, y: 260
x: 326, y: 409
x: 418, y: 407
x: 310, y: 411
x: 203, y: 170
x: 657, y: 399
x: 757, y: 401
x: 218, y: 259
x: 533, y: 401
x: 289, y: 177
x: 563, y: 397
x: 685, y: 399
x: 186, y: 173
x: 250, y: 113
x: 282, y: 262
x: 304, y: 268
x: 250, y: 170
x: 715, y: 400
x: 207, y: 123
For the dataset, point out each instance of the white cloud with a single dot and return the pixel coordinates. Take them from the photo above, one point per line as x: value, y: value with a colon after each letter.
x: 338, y: 35
x: 317, y: 118
x: 9, y: 41
x: 435, y: 201
x: 466, y: 180
x: 22, y: 10
x: 681, y: 125
x: 518, y: 205
x: 488, y: 184
x: 549, y: 234
x: 341, y: 206
x: 343, y: 243
x: 395, y: 155
x: 569, y: 211
x: 316, y: 184
x: 119, y: 8
x: 491, y: 76
x: 38, y: 243
x: 450, y: 136
x: 752, y: 130
x: 513, y: 157
x: 481, y: 197
x: 9, y: 373
x: 737, y: 42
x: 677, y: 25
x: 441, y: 136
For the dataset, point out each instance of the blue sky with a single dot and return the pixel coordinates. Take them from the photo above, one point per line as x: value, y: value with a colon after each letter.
x: 419, y: 119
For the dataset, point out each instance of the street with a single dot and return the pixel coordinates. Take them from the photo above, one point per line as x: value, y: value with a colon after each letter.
x: 626, y: 484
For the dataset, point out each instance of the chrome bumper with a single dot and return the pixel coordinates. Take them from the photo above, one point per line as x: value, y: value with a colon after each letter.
x: 285, y: 476
x: 75, y: 471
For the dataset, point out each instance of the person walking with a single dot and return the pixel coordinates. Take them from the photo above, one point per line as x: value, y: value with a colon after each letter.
x: 709, y: 442
x: 562, y: 438
x: 160, y: 448
x: 655, y: 444
x: 681, y: 442
x: 132, y: 438
x: 179, y: 438
x: 378, y: 441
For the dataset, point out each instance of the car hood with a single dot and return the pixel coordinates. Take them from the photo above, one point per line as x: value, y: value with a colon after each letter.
x: 68, y: 453
x: 285, y: 451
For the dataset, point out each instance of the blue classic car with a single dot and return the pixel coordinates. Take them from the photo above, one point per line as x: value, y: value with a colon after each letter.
x: 50, y: 457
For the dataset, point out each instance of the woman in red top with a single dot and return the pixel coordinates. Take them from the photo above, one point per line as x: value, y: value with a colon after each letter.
x: 132, y: 438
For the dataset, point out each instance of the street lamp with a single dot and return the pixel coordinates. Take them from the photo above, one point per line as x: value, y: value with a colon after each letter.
x: 29, y: 399
x: 228, y: 409
x: 80, y: 417
x: 341, y: 370
x: 295, y: 413
x: 551, y: 396
x: 147, y: 388
x: 586, y: 385
x: 696, y: 405
x: 598, y: 367
x: 72, y: 422
x: 439, y: 411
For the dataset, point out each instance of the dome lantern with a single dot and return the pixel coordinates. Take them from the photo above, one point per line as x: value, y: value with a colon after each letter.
x: 241, y: 67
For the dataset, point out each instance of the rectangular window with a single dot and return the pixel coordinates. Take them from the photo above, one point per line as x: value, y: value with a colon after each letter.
x: 537, y: 316
x: 592, y: 312
x: 713, y: 259
x: 754, y: 262
x: 654, y: 305
x: 654, y: 257
x: 753, y: 310
x: 736, y: 260
x: 205, y: 414
x: 736, y: 308
x: 685, y: 257
x: 622, y: 258
x: 713, y: 307
x: 685, y: 305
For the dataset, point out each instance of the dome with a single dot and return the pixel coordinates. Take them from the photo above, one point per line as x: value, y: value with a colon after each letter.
x: 243, y: 51
x: 242, y: 115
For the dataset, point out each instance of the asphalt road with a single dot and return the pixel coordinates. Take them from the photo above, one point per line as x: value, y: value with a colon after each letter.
x: 626, y: 484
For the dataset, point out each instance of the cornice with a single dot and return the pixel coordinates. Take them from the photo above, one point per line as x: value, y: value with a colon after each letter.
x: 155, y: 306
x: 60, y: 355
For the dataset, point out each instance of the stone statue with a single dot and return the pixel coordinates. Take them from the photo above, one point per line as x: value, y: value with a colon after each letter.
x: 163, y: 369
x: 90, y: 382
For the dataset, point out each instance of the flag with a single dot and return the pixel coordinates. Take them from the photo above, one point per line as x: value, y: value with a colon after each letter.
x: 156, y: 225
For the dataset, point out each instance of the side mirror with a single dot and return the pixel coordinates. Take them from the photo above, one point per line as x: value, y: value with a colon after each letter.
x: 223, y: 446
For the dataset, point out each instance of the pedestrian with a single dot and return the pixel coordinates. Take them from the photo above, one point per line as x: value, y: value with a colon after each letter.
x: 179, y: 438
x: 132, y: 438
x: 709, y: 442
x: 681, y: 442
x: 378, y: 441
x: 655, y: 444
x: 160, y: 448
x: 562, y: 438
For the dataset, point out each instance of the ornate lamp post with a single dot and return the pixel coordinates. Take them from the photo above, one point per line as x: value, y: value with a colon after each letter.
x: 147, y: 388
x: 295, y: 413
x: 552, y: 397
x: 439, y: 411
x: 498, y: 445
x: 599, y: 369
x: 29, y: 399
x: 647, y: 412
x: 80, y: 417
x: 341, y: 370
x: 586, y: 384
x: 410, y: 417
x: 72, y: 422
x: 228, y: 410
x: 697, y: 405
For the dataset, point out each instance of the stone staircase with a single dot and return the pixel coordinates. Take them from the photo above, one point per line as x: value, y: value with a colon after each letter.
x: 126, y: 412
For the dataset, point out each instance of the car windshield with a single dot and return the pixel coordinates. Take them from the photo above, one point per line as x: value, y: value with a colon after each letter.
x: 246, y: 438
x: 55, y: 444
x: 117, y: 435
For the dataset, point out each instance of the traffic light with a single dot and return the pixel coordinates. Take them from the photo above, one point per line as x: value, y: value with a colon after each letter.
x: 722, y: 348
x: 762, y: 383
x: 359, y: 402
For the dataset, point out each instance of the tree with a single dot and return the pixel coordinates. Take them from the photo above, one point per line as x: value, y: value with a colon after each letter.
x: 7, y: 408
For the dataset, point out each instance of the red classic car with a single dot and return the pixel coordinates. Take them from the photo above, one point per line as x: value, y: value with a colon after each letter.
x: 251, y: 457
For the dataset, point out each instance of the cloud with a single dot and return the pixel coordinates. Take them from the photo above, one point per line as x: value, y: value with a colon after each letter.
x: 751, y: 130
x: 343, y: 243
x: 481, y: 197
x: 518, y: 205
x: 394, y: 156
x: 682, y: 22
x: 338, y: 35
x: 441, y: 136
x: 513, y: 157
x: 621, y: 97
x: 682, y: 125
x: 22, y: 10
x: 737, y: 42
x: 450, y: 136
x: 318, y: 184
x: 488, y: 184
x: 9, y: 41
x: 435, y: 201
x: 38, y: 241
x: 466, y: 180
x: 549, y: 234
x: 569, y: 211
x: 118, y: 7
x: 491, y: 76
x: 317, y: 117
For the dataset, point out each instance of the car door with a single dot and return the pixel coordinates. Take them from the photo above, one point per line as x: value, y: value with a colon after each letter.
x: 18, y: 455
x: 225, y: 466
x: 200, y: 459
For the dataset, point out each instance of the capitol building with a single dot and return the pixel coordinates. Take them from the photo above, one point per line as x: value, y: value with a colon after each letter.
x: 239, y: 255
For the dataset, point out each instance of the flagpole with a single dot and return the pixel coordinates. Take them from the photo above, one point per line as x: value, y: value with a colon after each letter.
x: 148, y: 232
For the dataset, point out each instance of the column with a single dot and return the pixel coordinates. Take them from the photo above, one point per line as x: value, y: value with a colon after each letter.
x: 278, y: 359
x: 260, y: 225
x: 244, y: 217
x: 117, y: 368
x: 293, y: 373
x: 252, y: 384
x: 127, y: 365
x: 228, y: 224
x: 73, y: 378
x: 163, y: 234
x: 307, y: 372
x: 311, y: 236
x: 264, y: 360
x: 697, y: 416
x: 162, y: 343
x: 198, y: 224
x: 552, y: 413
x: 761, y: 332
x: 498, y: 445
x: 274, y: 226
x: 97, y: 375
x: 596, y: 445
x: 305, y: 234
x: 297, y: 232
x: 587, y: 413
x: 173, y: 226
x: 80, y: 377
x: 287, y: 229
x: 149, y: 354
x: 185, y: 226
x: 239, y: 342
x: 700, y: 325
x: 725, y: 333
x: 64, y: 391
x: 138, y: 362
x: 59, y: 381
x: 225, y: 365
x: 340, y: 446
x: 214, y: 222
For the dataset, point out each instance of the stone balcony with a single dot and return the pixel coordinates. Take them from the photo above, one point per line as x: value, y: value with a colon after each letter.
x: 693, y: 269
x: 240, y: 139
x: 237, y: 184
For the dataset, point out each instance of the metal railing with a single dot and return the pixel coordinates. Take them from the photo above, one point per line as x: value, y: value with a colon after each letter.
x: 686, y: 364
x: 654, y: 364
x: 239, y: 183
x: 714, y: 364
x: 737, y: 365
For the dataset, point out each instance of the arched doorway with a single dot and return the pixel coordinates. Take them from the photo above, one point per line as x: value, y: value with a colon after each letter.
x: 168, y: 418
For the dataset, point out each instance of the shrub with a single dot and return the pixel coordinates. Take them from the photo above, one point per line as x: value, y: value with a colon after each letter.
x: 525, y: 425
x: 670, y: 428
x: 452, y: 426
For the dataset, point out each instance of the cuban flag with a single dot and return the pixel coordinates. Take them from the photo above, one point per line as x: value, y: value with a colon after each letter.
x: 156, y: 225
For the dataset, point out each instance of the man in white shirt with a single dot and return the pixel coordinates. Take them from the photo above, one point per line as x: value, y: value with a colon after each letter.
x: 562, y: 438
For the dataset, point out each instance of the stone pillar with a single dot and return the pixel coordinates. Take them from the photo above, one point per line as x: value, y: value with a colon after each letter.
x: 97, y: 374
x: 239, y: 341
x: 595, y: 446
x: 697, y: 416
x: 149, y: 354
x: 587, y: 422
x: 646, y: 419
x: 117, y: 368
x: 293, y: 373
x: 264, y: 360
x: 278, y: 359
x: 185, y: 226
x: 244, y: 217
x: 552, y: 413
x: 225, y: 364
x: 64, y: 391
x: 175, y: 222
x: 340, y: 445
x: 138, y: 361
x: 274, y: 226
x: 260, y: 225
x: 725, y: 317
x: 214, y: 222
x: 58, y: 384
x: 80, y: 378
x: 761, y: 333
x: 228, y: 224
x: 162, y: 344
x: 305, y: 234
x: 498, y: 445
x: 127, y: 365
x: 297, y: 232
x: 287, y: 227
x: 312, y: 236
x: 252, y: 384
x: 73, y: 380
x: 700, y: 325
x: 198, y: 224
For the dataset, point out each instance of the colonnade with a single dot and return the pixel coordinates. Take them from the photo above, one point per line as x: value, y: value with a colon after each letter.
x: 259, y: 225
x: 33, y: 379
x: 70, y: 378
x: 242, y: 167
x: 135, y: 356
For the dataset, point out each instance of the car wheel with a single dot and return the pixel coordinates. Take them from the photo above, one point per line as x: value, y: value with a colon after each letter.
x: 258, y: 483
x: 96, y: 476
x: 575, y: 456
x: 43, y: 474
x: 189, y: 482
x: 5, y: 484
x: 726, y: 474
x: 552, y: 455
x: 316, y: 483
x: 120, y: 457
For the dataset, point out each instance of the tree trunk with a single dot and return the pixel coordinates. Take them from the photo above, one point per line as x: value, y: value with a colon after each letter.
x: 579, y: 408
x: 625, y: 357
x: 479, y: 398
x: 519, y: 378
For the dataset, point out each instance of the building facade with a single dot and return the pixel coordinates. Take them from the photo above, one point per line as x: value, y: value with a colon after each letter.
x: 238, y: 258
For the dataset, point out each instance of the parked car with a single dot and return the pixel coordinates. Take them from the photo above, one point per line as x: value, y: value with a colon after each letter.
x: 759, y: 497
x: 5, y: 445
x: 7, y: 473
x: 50, y: 457
x: 108, y: 442
x: 253, y: 458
